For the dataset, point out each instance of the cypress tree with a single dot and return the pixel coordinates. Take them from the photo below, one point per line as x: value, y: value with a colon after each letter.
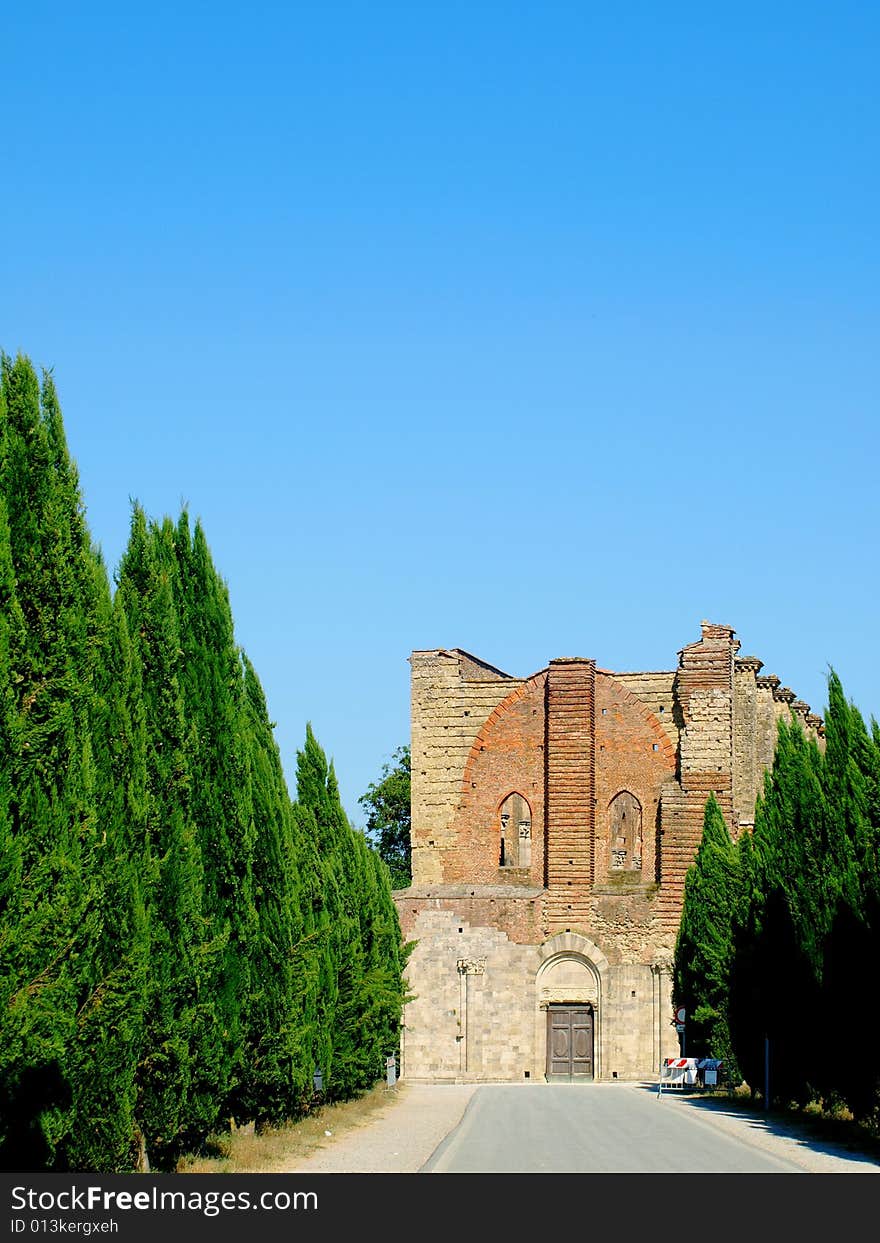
x: 109, y: 1035
x: 52, y: 650
x: 776, y: 968
x: 852, y: 774
x: 364, y: 993
x: 704, y: 947
x: 319, y: 821
x: 176, y: 937
x: 385, y: 958
x: 212, y: 695
x: 182, y: 1052
x: 276, y: 1077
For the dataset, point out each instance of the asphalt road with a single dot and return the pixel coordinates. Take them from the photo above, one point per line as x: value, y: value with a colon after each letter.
x: 593, y: 1128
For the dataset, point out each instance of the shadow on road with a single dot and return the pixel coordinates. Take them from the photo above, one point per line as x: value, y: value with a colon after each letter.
x: 831, y: 1137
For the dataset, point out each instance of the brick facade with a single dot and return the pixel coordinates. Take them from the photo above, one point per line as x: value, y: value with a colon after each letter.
x: 553, y: 822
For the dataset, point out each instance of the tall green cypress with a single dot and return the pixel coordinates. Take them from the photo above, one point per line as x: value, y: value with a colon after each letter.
x: 212, y: 694
x: 363, y: 995
x: 852, y: 776
x: 48, y: 935
x: 319, y: 822
x: 849, y: 784
x: 704, y: 947
x: 110, y: 1019
x: 275, y: 1082
x: 385, y: 958
x: 776, y: 969
x: 182, y: 1050
x: 315, y: 954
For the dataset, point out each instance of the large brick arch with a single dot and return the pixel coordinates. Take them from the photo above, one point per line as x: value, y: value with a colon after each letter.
x: 507, y: 756
x: 627, y: 734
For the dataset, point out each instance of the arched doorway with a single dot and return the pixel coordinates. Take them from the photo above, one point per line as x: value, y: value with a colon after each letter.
x: 569, y: 987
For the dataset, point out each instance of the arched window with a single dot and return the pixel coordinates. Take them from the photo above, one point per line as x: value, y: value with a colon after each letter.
x: 625, y: 832
x: 516, y: 832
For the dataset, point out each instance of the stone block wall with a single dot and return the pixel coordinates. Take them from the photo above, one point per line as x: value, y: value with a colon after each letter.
x: 628, y: 1023
x: 473, y: 1014
x: 480, y: 1010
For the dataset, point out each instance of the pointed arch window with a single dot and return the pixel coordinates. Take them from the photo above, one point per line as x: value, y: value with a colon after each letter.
x: 516, y: 832
x: 625, y: 832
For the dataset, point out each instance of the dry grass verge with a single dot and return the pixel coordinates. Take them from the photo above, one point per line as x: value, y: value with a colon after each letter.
x: 244, y: 1152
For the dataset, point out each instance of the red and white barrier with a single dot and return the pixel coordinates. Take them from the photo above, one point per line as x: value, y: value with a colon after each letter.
x: 678, y: 1072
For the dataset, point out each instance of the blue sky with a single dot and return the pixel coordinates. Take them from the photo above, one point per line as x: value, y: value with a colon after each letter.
x: 532, y: 329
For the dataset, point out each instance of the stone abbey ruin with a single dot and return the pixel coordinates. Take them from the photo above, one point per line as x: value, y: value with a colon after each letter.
x: 554, y: 819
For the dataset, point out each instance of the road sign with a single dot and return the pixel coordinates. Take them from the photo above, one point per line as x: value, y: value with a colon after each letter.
x: 679, y: 1027
x: 680, y: 1015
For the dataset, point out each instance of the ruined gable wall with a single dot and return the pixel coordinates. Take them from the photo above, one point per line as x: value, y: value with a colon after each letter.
x: 705, y: 705
x: 507, y: 756
x: 452, y: 696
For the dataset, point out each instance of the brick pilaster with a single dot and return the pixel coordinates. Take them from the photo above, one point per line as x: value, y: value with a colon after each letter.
x: 570, y: 791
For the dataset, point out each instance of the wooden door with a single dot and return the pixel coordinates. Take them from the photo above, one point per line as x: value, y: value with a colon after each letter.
x: 569, y: 1042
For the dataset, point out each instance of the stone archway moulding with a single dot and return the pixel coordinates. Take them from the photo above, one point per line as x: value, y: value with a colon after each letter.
x: 573, y: 943
x: 572, y: 947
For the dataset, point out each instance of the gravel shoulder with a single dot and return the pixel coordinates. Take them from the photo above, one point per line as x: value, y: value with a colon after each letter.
x: 399, y: 1140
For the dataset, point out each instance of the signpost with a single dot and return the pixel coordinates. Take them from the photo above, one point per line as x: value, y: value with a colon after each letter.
x: 680, y: 1016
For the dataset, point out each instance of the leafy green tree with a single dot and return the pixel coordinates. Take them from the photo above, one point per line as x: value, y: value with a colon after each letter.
x: 387, y: 803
